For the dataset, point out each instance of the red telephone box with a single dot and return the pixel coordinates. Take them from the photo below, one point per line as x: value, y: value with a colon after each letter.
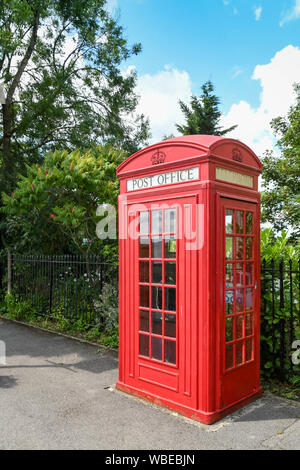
x: 189, y: 275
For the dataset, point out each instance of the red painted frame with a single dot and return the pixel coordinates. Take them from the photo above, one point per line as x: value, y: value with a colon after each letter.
x: 197, y: 385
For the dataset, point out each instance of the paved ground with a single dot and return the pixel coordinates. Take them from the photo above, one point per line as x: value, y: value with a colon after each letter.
x: 55, y: 393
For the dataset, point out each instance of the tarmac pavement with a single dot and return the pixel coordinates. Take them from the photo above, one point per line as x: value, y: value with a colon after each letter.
x: 57, y: 393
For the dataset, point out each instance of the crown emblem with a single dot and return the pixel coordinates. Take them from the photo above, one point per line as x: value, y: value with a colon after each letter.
x: 237, y: 155
x: 158, y: 157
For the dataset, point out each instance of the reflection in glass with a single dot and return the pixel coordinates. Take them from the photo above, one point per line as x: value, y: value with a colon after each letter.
x: 156, y: 247
x: 144, y: 320
x: 170, y: 247
x: 170, y: 272
x: 239, y: 302
x: 229, y: 329
x: 229, y: 275
x: 156, y: 323
x: 229, y: 221
x: 170, y: 325
x: 144, y: 345
x: 229, y: 356
x: 157, y: 272
x: 157, y: 297
x: 249, y: 274
x: 249, y: 324
x: 144, y: 271
x: 249, y: 299
x: 249, y: 348
x: 249, y: 247
x: 249, y: 216
x: 144, y: 296
x: 239, y: 274
x: 156, y: 348
x: 170, y: 351
x: 229, y: 296
x: 239, y: 222
x: 170, y: 299
x: 144, y: 222
x: 239, y: 248
x: 229, y: 248
x: 170, y: 221
x: 238, y: 353
x: 156, y: 219
x: 239, y: 327
x: 144, y: 247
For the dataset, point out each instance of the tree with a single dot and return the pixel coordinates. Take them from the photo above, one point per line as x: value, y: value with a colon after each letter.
x: 281, y: 175
x: 60, y: 64
x: 203, y: 115
x: 54, y: 206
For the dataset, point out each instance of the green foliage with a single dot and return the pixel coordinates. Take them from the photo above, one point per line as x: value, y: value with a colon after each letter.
x: 203, y: 116
x: 275, y: 318
x: 60, y: 62
x: 54, y: 205
x: 281, y: 175
x: 18, y: 310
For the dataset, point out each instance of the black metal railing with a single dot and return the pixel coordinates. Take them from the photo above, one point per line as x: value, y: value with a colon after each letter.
x: 280, y: 316
x: 68, y: 286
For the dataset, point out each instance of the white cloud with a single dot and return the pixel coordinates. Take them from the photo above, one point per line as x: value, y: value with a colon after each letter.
x: 277, y: 95
x: 257, y: 13
x: 159, y: 95
x: 292, y: 14
x: 237, y: 71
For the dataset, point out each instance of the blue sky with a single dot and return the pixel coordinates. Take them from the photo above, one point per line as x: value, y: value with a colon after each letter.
x: 250, y: 49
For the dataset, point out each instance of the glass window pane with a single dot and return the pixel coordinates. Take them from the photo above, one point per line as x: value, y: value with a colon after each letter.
x: 239, y: 353
x: 170, y: 272
x: 170, y: 299
x: 229, y: 221
x: 156, y: 247
x: 239, y: 222
x: 156, y: 348
x: 249, y: 324
x: 157, y: 272
x: 249, y: 225
x: 156, y: 218
x: 229, y: 275
x: 170, y: 351
x: 229, y: 297
x: 249, y: 299
x: 239, y: 327
x: 170, y: 325
x: 157, y: 297
x: 144, y: 222
x: 170, y: 221
x: 249, y: 274
x: 229, y: 329
x: 229, y: 356
x: 170, y: 247
x: 144, y: 320
x: 156, y: 323
x: 248, y: 349
x: 144, y: 247
x: 144, y: 345
x: 144, y: 271
x: 249, y: 247
x: 144, y: 296
x: 239, y: 248
x: 229, y: 248
x: 239, y: 302
x: 239, y: 274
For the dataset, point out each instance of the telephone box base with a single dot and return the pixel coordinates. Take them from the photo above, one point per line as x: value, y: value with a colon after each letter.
x: 197, y: 415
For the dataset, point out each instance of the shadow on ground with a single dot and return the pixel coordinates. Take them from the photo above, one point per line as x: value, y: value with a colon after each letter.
x: 24, y: 341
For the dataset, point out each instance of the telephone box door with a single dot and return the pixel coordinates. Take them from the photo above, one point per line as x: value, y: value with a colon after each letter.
x: 166, y: 300
x: 239, y: 300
